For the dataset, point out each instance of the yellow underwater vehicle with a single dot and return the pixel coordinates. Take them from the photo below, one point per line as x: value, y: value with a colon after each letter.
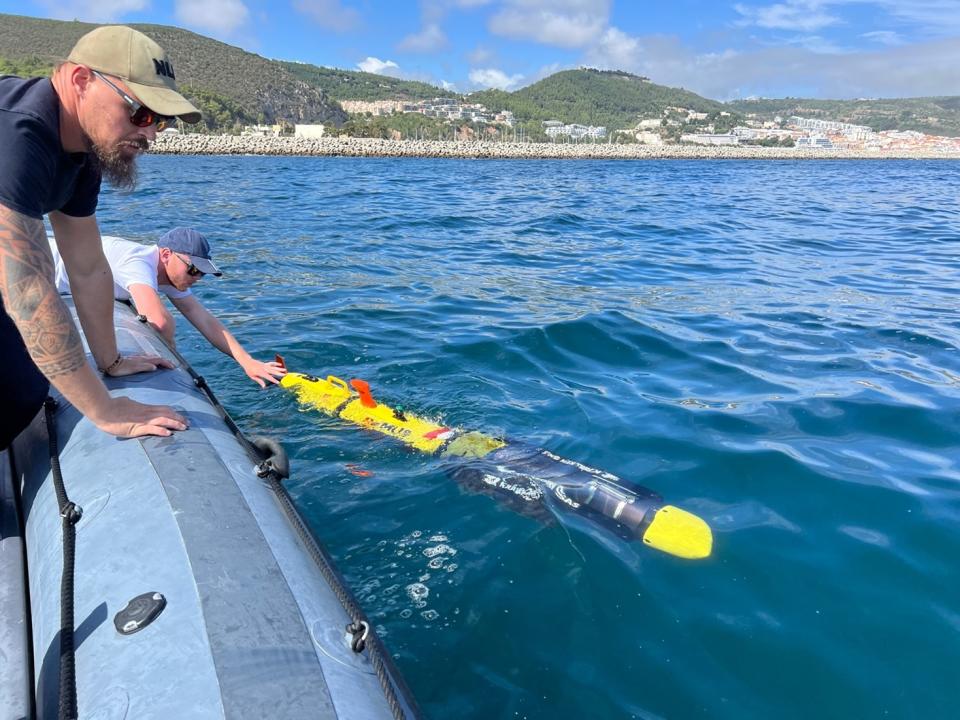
x: 521, y: 473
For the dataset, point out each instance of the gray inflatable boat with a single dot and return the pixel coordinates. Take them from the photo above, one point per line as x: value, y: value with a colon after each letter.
x: 198, y: 592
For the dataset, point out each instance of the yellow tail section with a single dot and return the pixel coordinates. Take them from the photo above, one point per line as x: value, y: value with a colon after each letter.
x: 679, y: 533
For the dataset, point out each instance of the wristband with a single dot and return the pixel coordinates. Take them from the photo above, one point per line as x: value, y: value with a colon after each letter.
x: 113, y: 366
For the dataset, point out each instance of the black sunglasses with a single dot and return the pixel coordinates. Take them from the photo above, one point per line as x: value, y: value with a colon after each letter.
x: 192, y: 270
x: 140, y: 114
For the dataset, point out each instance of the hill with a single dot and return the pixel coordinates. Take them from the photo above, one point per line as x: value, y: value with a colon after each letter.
x: 354, y: 85
x: 611, y: 98
x: 231, y: 86
x: 934, y: 115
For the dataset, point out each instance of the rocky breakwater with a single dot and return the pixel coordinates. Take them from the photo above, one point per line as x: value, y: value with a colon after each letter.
x: 196, y: 144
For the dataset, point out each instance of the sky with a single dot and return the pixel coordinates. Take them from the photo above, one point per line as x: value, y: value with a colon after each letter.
x: 720, y: 49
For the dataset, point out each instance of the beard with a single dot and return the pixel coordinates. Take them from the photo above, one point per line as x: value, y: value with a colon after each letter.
x: 119, y: 168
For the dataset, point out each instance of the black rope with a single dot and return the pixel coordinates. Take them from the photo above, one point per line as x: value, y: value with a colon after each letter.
x: 364, y: 637
x: 70, y: 514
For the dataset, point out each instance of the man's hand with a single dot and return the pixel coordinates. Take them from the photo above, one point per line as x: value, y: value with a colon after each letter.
x: 127, y: 418
x: 132, y: 364
x: 260, y: 371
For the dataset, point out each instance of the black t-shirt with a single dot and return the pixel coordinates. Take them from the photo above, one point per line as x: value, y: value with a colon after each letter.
x: 36, y: 175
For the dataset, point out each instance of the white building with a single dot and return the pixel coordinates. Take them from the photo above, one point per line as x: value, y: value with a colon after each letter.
x: 818, y: 142
x: 710, y: 139
x: 824, y: 126
x: 374, y: 107
x: 575, y: 132
x: 264, y: 130
x: 310, y: 132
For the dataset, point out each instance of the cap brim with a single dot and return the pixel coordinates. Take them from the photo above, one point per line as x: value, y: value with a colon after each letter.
x: 165, y: 101
x: 205, y: 266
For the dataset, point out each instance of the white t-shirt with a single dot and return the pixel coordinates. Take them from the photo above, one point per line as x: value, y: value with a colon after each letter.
x: 131, y: 264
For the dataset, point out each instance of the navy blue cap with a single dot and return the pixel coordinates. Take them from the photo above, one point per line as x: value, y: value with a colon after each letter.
x: 192, y: 243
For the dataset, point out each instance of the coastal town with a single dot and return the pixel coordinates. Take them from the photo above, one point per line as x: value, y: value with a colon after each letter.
x: 473, y: 130
x: 794, y: 131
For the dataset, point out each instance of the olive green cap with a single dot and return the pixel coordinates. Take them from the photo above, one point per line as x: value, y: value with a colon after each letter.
x: 138, y: 61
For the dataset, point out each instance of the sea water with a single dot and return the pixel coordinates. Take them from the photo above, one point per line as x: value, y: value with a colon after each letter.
x: 772, y: 345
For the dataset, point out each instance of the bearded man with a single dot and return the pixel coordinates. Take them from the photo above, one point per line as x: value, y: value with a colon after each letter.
x: 58, y: 137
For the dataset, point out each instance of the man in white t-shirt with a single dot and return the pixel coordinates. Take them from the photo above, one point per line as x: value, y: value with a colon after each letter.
x: 179, y: 259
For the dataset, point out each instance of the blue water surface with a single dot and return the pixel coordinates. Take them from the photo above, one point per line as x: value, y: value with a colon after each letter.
x: 772, y: 345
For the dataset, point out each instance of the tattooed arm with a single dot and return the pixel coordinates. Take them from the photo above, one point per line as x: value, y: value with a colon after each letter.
x: 91, y: 283
x: 48, y: 331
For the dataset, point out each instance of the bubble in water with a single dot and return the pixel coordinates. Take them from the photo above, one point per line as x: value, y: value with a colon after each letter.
x: 417, y: 591
x: 451, y: 567
x: 439, y: 550
x: 438, y: 538
x: 436, y: 563
x: 406, y: 613
x: 429, y: 615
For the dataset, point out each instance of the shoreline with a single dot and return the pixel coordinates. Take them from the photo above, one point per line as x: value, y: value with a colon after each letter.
x: 197, y: 144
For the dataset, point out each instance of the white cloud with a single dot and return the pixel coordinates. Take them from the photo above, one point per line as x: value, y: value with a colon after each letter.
x: 217, y: 16
x: 448, y: 85
x: 934, y: 17
x: 430, y: 39
x: 479, y: 56
x: 817, y: 44
x: 103, y: 11
x: 616, y: 50
x: 801, y: 15
x: 329, y: 14
x: 564, y: 23
x: 493, y: 78
x: 905, y: 71
x: 380, y: 67
x: 884, y: 37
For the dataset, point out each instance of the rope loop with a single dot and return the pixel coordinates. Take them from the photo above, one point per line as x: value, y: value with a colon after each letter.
x: 359, y: 629
x: 72, y: 513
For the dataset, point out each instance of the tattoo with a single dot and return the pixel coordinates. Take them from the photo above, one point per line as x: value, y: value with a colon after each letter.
x: 30, y: 296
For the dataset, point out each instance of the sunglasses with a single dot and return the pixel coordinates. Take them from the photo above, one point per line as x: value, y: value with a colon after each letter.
x: 140, y: 114
x: 192, y: 270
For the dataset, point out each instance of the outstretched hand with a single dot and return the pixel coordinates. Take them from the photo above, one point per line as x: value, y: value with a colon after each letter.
x: 264, y: 371
x: 132, y: 364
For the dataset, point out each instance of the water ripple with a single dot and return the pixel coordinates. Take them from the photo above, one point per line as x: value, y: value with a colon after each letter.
x: 773, y: 345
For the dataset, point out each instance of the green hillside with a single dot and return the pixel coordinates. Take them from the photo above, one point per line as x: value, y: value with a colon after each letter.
x: 231, y: 86
x: 935, y: 115
x: 354, y: 85
x: 610, y: 98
